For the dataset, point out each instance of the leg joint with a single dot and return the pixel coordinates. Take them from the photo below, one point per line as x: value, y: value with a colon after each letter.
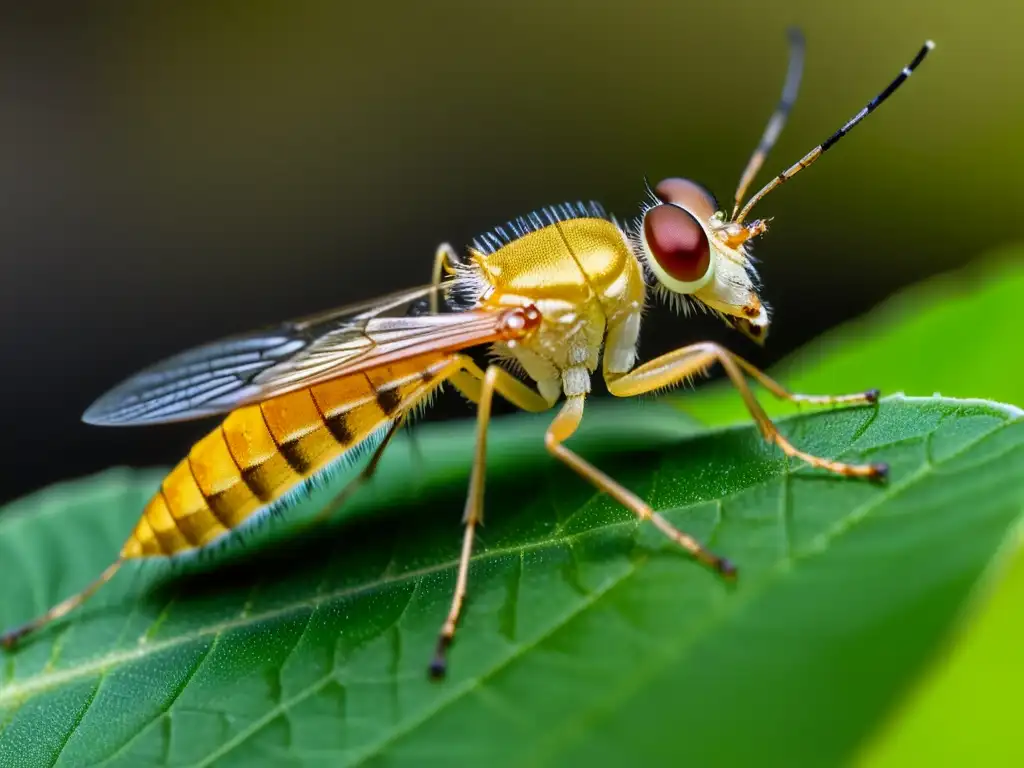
x: 552, y: 443
x: 491, y: 378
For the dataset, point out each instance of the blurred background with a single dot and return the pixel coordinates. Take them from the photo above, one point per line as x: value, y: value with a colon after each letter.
x: 175, y: 172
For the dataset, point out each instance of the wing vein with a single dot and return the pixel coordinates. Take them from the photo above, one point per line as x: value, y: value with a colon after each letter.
x: 242, y: 370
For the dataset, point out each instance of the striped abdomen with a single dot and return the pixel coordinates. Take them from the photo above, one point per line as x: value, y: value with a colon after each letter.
x: 261, y: 452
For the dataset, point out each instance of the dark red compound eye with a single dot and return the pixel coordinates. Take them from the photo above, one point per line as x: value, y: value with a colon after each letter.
x: 677, y: 242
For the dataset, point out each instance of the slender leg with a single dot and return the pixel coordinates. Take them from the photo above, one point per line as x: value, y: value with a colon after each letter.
x: 683, y: 363
x: 10, y: 638
x: 494, y: 379
x: 444, y: 257
x: 858, y: 398
x: 565, y: 423
x: 415, y: 448
x: 468, y: 378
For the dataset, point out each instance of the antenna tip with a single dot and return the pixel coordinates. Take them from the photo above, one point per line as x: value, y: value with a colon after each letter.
x: 929, y: 44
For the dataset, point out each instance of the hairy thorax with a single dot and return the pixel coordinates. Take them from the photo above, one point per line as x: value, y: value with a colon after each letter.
x: 583, y: 277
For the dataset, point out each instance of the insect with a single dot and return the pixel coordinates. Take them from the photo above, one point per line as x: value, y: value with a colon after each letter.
x: 550, y: 292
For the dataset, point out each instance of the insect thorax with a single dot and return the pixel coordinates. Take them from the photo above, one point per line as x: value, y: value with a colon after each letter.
x: 571, y: 254
x: 575, y: 265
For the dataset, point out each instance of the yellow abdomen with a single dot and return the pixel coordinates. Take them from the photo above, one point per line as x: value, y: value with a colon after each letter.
x: 261, y: 452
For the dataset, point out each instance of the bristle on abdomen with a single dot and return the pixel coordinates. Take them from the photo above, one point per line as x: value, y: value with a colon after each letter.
x: 261, y: 453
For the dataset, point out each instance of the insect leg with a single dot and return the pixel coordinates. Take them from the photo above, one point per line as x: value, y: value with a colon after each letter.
x: 11, y: 637
x: 467, y: 377
x: 444, y: 257
x: 859, y: 398
x: 564, y: 425
x: 677, y: 366
x: 495, y: 379
x: 469, y: 380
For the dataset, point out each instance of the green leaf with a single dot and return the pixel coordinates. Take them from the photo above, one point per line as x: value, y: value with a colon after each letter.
x: 587, y: 638
x: 954, y: 335
x: 967, y: 712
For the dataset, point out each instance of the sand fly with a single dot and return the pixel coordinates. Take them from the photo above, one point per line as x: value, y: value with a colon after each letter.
x: 549, y: 291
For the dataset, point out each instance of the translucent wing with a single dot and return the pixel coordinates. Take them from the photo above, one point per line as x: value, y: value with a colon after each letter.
x: 240, y: 370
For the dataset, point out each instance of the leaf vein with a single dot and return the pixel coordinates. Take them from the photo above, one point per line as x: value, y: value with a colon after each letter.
x: 723, y: 609
x: 726, y: 608
x: 246, y: 733
x: 32, y: 685
x: 166, y: 709
x: 78, y: 721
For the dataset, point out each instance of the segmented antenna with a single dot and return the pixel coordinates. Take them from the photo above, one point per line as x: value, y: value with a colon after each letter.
x: 790, y: 89
x: 832, y: 140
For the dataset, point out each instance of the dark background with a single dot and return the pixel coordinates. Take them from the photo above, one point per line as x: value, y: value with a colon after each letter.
x: 173, y: 172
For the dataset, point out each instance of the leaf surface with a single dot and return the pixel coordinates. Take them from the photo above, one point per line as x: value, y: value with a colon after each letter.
x: 587, y: 638
x: 966, y: 710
